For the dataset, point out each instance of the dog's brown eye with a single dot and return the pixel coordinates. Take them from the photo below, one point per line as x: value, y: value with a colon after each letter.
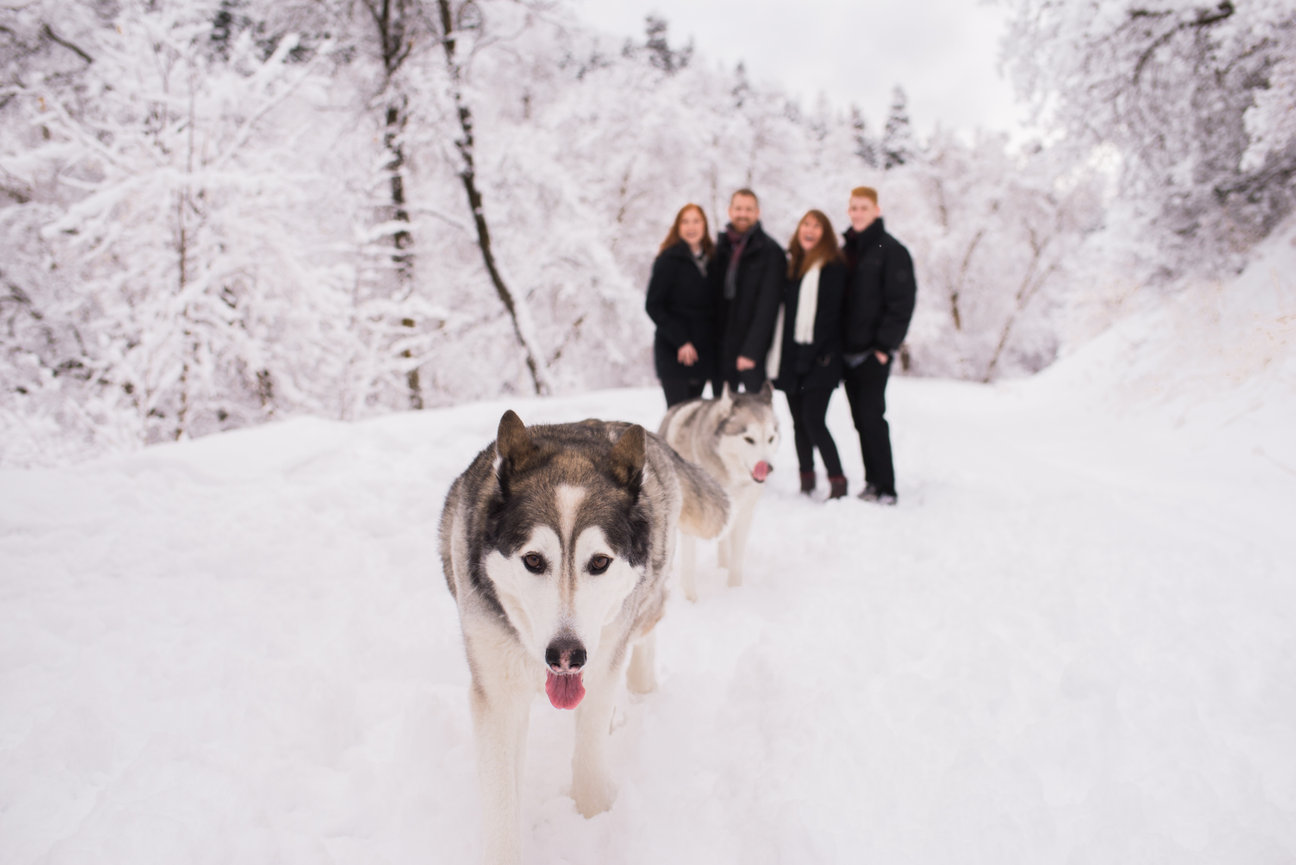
x: 534, y: 562
x: 599, y: 564
x: 749, y: 440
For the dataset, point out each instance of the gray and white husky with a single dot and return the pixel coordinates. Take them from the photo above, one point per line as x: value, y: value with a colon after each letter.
x: 733, y: 438
x: 556, y: 543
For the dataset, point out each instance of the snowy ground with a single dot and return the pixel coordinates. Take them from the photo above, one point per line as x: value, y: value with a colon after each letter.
x: 1073, y: 641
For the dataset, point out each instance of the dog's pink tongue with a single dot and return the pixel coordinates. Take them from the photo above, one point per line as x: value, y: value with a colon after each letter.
x: 565, y: 691
x: 761, y: 471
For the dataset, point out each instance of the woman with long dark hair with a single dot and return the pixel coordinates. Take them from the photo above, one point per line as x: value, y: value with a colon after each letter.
x: 809, y: 360
x: 681, y: 303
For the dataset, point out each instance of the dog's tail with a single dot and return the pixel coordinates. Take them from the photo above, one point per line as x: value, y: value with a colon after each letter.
x: 705, y: 512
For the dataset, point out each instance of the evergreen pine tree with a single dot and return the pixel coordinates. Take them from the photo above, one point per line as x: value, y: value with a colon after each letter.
x: 866, y: 146
x: 660, y: 53
x: 898, y: 143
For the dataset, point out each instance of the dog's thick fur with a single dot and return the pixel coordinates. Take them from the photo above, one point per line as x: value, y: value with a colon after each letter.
x: 733, y: 438
x: 556, y: 543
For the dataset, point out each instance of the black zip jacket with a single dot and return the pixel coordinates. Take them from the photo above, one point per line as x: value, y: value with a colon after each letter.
x: 882, y: 293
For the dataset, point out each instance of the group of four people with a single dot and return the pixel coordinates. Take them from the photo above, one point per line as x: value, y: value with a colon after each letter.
x: 741, y: 311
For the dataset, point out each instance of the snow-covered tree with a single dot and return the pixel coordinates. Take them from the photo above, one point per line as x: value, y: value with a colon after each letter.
x: 1196, y: 97
x: 216, y: 212
x: 899, y: 144
x: 460, y: 23
x: 996, y: 238
x: 167, y: 217
x: 867, y: 147
x: 661, y: 54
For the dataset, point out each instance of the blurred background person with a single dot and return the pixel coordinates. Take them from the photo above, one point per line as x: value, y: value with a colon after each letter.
x: 681, y: 302
x: 809, y: 354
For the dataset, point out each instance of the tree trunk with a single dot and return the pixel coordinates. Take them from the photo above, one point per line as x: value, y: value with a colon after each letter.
x: 468, y: 175
x: 957, y: 291
x: 182, y: 283
x: 390, y: 19
x: 1030, y: 284
x: 403, y: 258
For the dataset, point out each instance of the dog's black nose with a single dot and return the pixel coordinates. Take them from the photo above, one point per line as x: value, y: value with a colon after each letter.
x: 565, y: 655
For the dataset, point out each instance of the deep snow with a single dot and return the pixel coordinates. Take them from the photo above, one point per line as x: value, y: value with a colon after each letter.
x: 1071, y: 642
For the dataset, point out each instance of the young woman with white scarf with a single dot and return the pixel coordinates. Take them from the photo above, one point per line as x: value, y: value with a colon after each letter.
x: 806, y: 358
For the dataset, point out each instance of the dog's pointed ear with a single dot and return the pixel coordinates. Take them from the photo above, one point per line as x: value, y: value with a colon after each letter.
x: 767, y: 392
x: 513, y: 443
x: 627, y: 460
x: 726, y: 397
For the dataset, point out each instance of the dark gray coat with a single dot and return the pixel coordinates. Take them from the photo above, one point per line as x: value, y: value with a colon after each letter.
x: 747, y: 321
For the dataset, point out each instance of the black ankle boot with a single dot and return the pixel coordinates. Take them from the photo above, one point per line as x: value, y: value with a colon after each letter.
x: 807, y: 482
x: 836, y: 487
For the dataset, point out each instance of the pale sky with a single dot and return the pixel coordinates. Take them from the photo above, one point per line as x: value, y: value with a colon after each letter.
x: 943, y: 53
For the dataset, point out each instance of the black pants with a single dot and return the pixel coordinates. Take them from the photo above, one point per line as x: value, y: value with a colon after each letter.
x: 866, y: 391
x: 679, y: 390
x: 810, y: 430
x: 751, y: 381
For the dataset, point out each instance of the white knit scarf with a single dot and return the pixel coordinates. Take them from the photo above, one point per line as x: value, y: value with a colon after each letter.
x: 807, y: 306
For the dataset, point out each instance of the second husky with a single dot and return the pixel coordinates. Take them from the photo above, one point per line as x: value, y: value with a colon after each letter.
x: 733, y: 438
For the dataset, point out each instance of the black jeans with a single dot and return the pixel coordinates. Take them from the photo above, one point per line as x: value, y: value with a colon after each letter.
x: 751, y: 381
x: 866, y: 391
x: 679, y: 390
x: 810, y: 430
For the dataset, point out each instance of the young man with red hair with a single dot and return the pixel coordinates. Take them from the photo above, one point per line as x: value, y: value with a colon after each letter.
x: 879, y: 304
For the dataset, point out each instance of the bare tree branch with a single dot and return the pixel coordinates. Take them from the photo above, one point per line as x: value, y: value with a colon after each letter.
x: 468, y: 175
x: 53, y: 37
x: 1205, y: 18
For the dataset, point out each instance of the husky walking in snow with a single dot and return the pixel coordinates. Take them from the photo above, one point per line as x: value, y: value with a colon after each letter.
x: 733, y: 438
x: 556, y: 544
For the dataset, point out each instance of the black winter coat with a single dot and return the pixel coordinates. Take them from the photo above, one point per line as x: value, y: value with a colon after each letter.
x: 880, y: 301
x: 819, y: 364
x: 747, y: 321
x: 681, y: 303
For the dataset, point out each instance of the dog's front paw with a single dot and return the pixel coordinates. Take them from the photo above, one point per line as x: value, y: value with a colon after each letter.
x: 641, y: 675
x: 593, y: 795
x: 641, y: 681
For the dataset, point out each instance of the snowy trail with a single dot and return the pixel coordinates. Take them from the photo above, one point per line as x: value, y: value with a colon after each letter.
x: 1070, y: 642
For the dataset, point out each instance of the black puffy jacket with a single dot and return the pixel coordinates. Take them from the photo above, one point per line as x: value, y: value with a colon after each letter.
x: 880, y: 300
x: 681, y: 302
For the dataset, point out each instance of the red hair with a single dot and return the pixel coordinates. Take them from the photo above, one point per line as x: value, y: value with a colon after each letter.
x: 865, y: 192
x: 673, y: 236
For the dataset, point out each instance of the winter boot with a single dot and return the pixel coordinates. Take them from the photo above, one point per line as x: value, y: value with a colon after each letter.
x: 807, y: 482
x: 836, y: 487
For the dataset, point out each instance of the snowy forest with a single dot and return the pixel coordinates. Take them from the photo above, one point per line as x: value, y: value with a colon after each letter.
x: 219, y: 212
